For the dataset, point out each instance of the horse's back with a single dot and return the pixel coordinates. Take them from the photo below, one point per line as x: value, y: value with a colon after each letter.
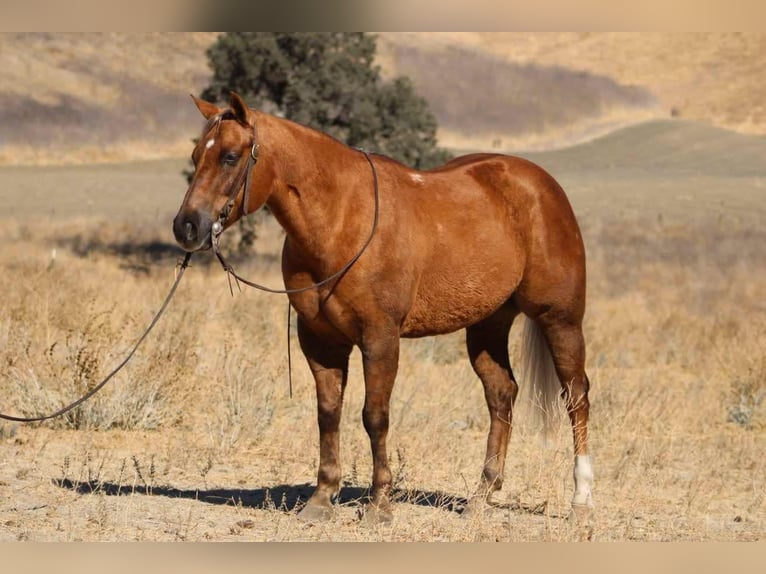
x: 513, y: 188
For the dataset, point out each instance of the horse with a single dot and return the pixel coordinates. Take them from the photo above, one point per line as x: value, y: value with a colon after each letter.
x: 467, y: 245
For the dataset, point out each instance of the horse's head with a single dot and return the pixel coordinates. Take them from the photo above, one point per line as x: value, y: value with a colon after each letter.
x: 220, y: 162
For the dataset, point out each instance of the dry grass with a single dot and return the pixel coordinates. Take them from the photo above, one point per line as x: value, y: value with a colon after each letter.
x: 199, y: 440
x: 99, y: 97
x: 485, y: 100
x: 710, y: 77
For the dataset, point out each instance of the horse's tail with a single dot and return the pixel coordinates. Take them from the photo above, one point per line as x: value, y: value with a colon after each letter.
x: 539, y: 374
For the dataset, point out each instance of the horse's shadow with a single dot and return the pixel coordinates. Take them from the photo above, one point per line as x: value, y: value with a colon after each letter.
x: 283, y: 497
x: 286, y: 498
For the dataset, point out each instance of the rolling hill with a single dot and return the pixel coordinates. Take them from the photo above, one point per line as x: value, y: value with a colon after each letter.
x: 83, y: 98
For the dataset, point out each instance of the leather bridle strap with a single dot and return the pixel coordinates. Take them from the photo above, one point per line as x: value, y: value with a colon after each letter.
x: 243, y: 177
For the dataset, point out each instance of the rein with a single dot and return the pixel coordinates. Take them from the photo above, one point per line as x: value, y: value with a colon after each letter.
x: 243, y: 178
x: 119, y: 367
x: 217, y: 231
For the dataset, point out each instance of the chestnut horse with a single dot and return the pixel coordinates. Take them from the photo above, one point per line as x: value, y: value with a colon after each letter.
x: 467, y: 245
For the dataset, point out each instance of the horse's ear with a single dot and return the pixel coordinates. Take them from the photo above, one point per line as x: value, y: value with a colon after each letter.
x: 239, y: 107
x: 206, y: 108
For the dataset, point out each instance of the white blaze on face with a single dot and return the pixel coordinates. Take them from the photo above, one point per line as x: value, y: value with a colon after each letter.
x: 583, y: 479
x: 417, y: 178
x: 210, y: 143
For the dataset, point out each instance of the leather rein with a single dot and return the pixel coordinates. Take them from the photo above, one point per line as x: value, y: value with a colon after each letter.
x: 218, y: 226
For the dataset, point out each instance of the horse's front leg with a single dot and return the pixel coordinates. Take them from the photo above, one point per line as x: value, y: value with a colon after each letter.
x: 329, y: 365
x: 380, y: 353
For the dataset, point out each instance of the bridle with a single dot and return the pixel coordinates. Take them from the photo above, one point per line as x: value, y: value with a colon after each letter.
x: 245, y: 174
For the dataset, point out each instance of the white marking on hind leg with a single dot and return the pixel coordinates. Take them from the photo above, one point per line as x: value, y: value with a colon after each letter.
x: 583, y: 479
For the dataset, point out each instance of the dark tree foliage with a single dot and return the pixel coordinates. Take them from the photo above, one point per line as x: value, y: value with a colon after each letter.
x: 327, y: 80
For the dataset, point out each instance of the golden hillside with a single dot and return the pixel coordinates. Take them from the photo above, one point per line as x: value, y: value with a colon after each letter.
x: 78, y: 98
x: 712, y: 77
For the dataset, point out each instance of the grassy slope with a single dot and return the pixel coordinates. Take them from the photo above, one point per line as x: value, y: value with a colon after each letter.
x: 109, y: 97
x: 704, y: 76
x: 484, y: 100
x: 99, y: 96
x: 666, y: 146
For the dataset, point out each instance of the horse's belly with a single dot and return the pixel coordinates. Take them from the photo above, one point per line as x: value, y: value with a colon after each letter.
x: 450, y: 301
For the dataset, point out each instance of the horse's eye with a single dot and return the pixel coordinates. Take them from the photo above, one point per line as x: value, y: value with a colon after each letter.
x: 230, y: 158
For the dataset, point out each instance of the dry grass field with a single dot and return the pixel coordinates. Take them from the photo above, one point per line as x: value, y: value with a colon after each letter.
x: 198, y: 439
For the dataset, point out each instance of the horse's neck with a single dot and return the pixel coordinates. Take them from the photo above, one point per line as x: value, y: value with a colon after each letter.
x: 308, y: 196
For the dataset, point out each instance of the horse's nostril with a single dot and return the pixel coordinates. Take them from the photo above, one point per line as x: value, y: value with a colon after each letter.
x: 190, y: 231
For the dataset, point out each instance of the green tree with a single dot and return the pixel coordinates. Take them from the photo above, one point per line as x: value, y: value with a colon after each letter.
x: 326, y: 80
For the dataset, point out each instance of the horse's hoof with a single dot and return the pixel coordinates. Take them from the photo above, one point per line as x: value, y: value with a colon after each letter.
x: 312, y: 513
x: 580, y: 513
x: 373, y: 515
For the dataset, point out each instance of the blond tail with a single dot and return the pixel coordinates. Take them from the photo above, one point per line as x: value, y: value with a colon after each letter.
x: 539, y: 375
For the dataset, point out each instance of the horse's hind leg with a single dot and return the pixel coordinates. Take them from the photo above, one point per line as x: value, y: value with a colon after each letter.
x: 487, y: 344
x: 329, y: 365
x: 567, y: 346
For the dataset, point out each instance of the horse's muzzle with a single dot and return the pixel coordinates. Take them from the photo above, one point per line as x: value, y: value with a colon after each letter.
x: 192, y: 231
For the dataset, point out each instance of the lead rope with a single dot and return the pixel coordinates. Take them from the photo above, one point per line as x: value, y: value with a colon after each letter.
x: 119, y: 367
x: 218, y: 227
x: 216, y: 233
x: 289, y: 354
